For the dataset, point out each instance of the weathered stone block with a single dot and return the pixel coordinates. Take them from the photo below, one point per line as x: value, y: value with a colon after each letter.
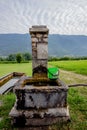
x: 33, y: 35
x: 39, y: 35
x: 41, y: 113
x: 45, y: 36
x: 36, y: 63
x: 40, y: 40
x: 45, y: 40
x: 41, y: 117
x: 41, y: 97
x: 34, y: 39
x: 39, y: 48
x: 39, y: 29
x: 42, y: 51
x: 34, y: 45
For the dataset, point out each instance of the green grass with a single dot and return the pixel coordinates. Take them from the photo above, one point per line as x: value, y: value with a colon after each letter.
x: 22, y: 67
x: 7, y: 103
x: 77, y: 66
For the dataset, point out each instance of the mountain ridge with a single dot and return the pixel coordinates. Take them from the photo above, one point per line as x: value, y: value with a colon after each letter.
x: 58, y: 45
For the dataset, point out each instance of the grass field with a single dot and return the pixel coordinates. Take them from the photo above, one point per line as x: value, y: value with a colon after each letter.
x: 77, y: 66
x: 77, y: 97
x: 8, y: 68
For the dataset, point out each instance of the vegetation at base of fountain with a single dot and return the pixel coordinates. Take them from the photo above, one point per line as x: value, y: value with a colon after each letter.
x: 7, y: 103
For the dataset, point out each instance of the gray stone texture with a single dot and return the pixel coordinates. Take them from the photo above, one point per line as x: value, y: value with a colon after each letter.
x: 36, y: 63
x: 37, y: 29
x: 40, y: 117
x: 42, y: 51
x: 39, y: 38
x: 41, y: 97
x: 40, y: 101
x: 34, y: 39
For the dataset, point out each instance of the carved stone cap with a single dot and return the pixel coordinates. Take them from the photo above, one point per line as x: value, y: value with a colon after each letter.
x: 39, y: 29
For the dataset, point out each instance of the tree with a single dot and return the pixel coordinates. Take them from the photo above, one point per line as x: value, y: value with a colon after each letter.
x: 27, y: 56
x: 11, y: 57
x: 18, y: 58
x: 1, y: 59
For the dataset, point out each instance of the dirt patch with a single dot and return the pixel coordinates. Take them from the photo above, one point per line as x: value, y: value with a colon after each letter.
x: 72, y: 78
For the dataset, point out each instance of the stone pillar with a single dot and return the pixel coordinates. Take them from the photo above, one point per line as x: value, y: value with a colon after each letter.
x: 39, y: 38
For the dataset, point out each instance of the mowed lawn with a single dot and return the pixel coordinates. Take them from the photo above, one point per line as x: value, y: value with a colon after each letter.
x: 77, y: 66
x: 17, y: 67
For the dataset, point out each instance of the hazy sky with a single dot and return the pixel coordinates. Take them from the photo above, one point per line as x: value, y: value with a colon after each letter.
x: 61, y: 16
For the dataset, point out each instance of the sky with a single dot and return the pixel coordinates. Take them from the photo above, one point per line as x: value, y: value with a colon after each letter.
x: 67, y: 17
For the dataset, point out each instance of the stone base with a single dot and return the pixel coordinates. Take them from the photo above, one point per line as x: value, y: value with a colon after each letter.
x: 40, y: 105
x: 39, y: 117
x: 41, y: 97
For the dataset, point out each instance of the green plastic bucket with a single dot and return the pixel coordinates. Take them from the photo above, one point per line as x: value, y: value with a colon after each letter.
x: 53, y: 73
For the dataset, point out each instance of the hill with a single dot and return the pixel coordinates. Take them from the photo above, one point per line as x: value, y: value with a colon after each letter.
x: 58, y: 45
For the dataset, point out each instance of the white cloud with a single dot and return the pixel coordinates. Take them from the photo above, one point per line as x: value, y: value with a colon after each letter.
x: 61, y: 16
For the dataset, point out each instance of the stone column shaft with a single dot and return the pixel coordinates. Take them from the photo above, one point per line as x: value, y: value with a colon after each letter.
x: 39, y: 38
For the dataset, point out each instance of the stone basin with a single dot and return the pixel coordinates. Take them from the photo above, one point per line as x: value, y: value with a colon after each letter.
x: 39, y: 101
x: 39, y: 104
x: 36, y: 94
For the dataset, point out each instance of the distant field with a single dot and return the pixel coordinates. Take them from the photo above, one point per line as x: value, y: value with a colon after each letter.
x: 77, y: 66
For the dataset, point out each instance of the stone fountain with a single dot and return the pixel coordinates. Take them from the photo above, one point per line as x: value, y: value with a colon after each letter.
x: 40, y: 101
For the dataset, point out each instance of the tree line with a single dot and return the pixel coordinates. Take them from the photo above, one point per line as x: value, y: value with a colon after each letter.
x: 51, y: 58
x: 26, y: 57
x: 19, y: 57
